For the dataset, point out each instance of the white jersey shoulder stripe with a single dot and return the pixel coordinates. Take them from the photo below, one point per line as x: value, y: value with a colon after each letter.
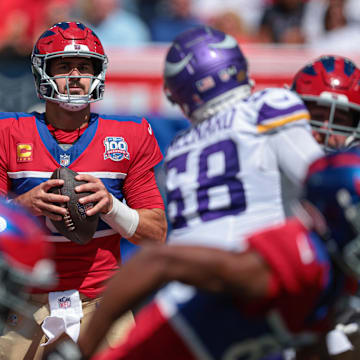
x: 28, y: 174
x: 46, y: 174
x: 280, y: 121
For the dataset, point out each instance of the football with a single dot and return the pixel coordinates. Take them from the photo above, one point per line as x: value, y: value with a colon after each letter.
x: 75, y: 225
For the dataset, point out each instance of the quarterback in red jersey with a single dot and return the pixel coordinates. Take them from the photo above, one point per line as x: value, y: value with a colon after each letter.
x: 115, y: 155
x: 221, y: 304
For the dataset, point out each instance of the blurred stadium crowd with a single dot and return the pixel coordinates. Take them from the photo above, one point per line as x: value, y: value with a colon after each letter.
x: 132, y: 23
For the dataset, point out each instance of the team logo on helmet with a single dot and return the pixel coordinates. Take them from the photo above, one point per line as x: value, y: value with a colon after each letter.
x: 228, y: 43
x: 116, y: 148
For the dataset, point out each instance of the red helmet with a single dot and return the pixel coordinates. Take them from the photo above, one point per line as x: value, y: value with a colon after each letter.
x: 331, y: 81
x: 24, y: 258
x: 68, y: 39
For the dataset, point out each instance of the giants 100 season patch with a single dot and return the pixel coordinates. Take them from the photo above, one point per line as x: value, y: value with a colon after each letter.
x: 116, y: 148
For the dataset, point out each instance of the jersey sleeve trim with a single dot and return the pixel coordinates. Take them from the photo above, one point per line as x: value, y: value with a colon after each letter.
x: 14, y: 115
x: 122, y: 118
x: 283, y: 121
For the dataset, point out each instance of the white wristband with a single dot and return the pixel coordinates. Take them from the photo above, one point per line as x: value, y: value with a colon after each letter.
x: 121, y: 218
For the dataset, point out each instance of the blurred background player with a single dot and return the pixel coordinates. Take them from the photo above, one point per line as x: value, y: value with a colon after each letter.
x: 281, y: 22
x: 330, y: 88
x: 25, y: 265
x: 223, y: 173
x: 211, y: 307
x: 115, y: 155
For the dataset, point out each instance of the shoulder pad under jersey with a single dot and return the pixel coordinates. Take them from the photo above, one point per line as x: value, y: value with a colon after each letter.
x: 276, y: 107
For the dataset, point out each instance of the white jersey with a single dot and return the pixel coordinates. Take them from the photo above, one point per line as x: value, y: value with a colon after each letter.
x: 223, y: 174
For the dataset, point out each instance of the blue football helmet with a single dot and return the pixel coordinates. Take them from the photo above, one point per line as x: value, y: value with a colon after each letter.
x: 24, y: 260
x: 333, y: 187
x: 201, y: 65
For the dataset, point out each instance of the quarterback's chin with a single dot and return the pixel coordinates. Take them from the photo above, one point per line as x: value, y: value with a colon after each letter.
x: 76, y: 91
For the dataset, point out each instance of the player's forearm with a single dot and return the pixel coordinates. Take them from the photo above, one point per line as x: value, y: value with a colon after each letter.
x: 152, y: 227
x: 218, y: 270
x: 23, y: 199
x: 204, y: 267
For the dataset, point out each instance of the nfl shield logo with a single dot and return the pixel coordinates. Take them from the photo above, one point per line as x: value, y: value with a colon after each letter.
x: 64, y: 160
x: 64, y: 302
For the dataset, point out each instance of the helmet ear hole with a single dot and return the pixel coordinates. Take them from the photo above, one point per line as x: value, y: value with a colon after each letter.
x: 47, y: 66
x: 97, y: 66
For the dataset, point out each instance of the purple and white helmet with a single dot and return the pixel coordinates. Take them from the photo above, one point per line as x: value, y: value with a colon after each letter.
x: 202, y: 64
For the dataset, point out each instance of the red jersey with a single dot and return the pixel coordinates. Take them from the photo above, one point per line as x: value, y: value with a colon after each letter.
x: 121, y: 151
x: 186, y: 323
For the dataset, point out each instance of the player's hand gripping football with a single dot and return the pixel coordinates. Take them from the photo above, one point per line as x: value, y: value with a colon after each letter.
x: 100, y: 196
x: 40, y: 202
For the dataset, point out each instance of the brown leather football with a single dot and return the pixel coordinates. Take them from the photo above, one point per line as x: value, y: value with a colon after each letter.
x: 75, y: 225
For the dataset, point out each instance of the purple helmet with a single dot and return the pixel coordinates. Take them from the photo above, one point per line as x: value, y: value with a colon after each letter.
x: 201, y: 64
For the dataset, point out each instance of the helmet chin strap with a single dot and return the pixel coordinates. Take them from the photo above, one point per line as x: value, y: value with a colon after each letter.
x: 72, y: 107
